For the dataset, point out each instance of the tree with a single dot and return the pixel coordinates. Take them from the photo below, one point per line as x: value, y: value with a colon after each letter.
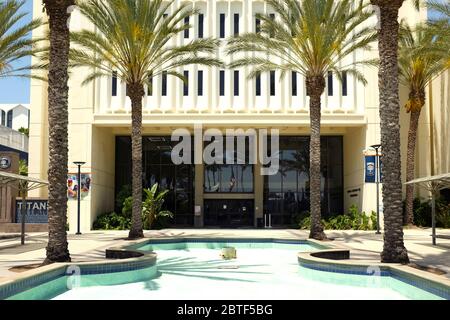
x: 132, y: 42
x: 422, y: 57
x: 310, y: 37
x: 388, y: 85
x: 58, y: 12
x: 15, y: 42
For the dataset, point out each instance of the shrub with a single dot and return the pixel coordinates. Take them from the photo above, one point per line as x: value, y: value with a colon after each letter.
x: 353, y: 220
x: 111, y: 221
x: 422, y: 213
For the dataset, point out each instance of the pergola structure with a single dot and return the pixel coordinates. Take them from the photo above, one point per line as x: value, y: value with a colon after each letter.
x: 23, y: 184
x: 433, y: 184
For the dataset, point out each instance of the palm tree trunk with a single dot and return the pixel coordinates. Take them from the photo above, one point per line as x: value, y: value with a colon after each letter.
x: 393, y: 249
x: 136, y: 92
x: 315, y: 86
x: 410, y: 162
x: 57, y: 247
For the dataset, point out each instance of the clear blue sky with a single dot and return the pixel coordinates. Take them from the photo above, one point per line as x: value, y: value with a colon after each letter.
x: 17, y: 90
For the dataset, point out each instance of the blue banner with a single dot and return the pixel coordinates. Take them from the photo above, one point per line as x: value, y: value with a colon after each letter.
x: 36, y: 211
x: 370, y: 169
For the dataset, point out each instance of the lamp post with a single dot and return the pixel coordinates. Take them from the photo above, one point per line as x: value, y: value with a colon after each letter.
x: 79, y: 164
x: 377, y: 169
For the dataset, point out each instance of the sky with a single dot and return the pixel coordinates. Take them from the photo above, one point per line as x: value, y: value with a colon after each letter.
x: 17, y: 90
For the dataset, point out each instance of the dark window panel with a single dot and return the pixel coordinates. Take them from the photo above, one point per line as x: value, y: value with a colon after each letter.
x: 222, y: 26
x: 150, y: 85
x: 186, y: 83
x: 222, y: 83
x: 164, y: 84
x: 258, y: 84
x: 186, y: 31
x: 257, y: 25
x: 330, y: 83
x: 236, y: 83
x: 200, y: 25
x: 344, y: 83
x: 294, y: 83
x: 236, y: 24
x: 272, y: 83
x: 114, y: 84
x: 272, y: 17
x: 200, y: 83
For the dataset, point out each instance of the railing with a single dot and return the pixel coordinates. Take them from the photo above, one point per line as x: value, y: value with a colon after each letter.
x: 13, y: 139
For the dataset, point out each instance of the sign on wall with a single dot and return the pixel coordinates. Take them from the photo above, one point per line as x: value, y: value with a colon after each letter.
x: 73, y: 185
x: 36, y: 211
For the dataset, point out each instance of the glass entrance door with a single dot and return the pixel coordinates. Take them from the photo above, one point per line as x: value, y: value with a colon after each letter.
x: 229, y: 213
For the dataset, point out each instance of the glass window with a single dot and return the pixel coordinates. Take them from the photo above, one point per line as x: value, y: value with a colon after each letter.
x: 200, y: 83
x: 3, y: 118
x: 230, y: 178
x: 272, y: 83
x: 222, y: 83
x: 258, y: 84
x: 272, y: 17
x: 9, y: 119
x: 158, y: 168
x: 330, y: 83
x: 222, y: 26
x: 186, y: 24
x: 294, y: 83
x: 287, y: 193
x: 257, y: 25
x: 200, y: 25
x: 236, y: 83
x: 344, y: 83
x: 150, y: 85
x: 236, y: 24
x: 164, y: 84
x: 114, y: 84
x: 186, y: 83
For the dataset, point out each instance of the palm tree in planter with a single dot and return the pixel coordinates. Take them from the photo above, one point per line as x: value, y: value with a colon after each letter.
x: 388, y: 85
x: 58, y: 12
x: 132, y: 40
x: 14, y: 41
x: 311, y: 37
x: 422, y: 57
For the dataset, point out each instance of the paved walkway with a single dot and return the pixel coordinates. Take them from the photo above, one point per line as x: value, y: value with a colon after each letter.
x: 91, y: 246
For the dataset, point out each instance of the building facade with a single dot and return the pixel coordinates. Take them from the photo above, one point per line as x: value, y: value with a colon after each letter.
x: 231, y: 195
x: 15, y: 116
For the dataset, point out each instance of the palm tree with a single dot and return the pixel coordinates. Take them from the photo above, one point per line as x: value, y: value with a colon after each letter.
x: 388, y: 85
x: 311, y: 38
x: 58, y: 12
x: 132, y: 40
x: 14, y: 41
x: 422, y: 57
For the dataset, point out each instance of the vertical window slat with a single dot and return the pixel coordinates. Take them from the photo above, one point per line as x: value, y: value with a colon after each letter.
x: 200, y: 83
x: 222, y: 26
x: 186, y: 83
x: 222, y: 83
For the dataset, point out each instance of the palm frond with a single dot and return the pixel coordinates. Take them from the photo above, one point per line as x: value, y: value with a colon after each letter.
x: 133, y: 38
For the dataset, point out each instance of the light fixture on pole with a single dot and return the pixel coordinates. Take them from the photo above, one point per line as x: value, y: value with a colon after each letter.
x: 377, y: 177
x: 79, y: 164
